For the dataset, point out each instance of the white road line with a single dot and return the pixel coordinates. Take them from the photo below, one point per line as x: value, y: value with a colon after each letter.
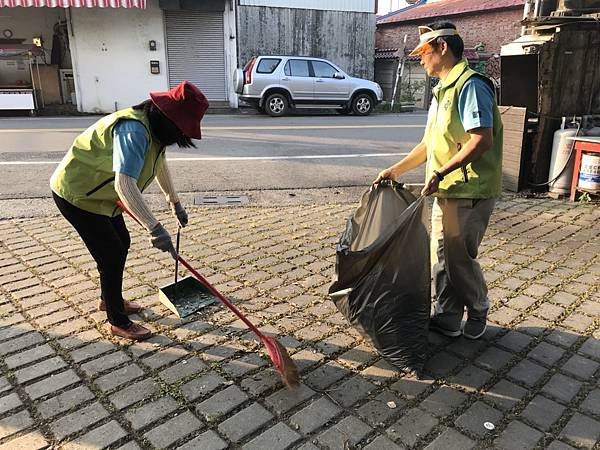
x: 314, y: 127
x: 43, y: 119
x: 275, y: 158
x: 233, y: 158
x: 209, y: 128
x: 41, y: 130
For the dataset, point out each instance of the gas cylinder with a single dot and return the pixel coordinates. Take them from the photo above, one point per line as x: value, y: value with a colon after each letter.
x: 562, y: 160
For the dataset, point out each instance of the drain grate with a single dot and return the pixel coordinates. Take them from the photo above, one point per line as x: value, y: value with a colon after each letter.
x: 221, y: 200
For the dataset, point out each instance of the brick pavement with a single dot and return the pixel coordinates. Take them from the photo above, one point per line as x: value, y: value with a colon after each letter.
x: 205, y: 383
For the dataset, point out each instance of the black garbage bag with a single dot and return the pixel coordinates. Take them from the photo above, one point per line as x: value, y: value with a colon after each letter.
x: 382, y: 282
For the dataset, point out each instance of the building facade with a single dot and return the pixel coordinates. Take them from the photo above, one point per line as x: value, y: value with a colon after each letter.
x: 119, y: 53
x: 484, y: 26
x: 491, y: 23
x: 342, y: 31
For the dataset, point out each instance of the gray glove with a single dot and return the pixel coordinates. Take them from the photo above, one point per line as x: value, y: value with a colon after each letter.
x: 180, y: 213
x: 161, y: 240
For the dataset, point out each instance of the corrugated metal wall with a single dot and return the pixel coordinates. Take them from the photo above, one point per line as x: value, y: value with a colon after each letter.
x: 332, y: 5
x: 346, y: 38
x: 385, y: 75
x: 196, y: 50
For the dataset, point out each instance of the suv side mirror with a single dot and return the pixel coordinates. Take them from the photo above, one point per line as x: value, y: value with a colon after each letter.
x: 338, y: 76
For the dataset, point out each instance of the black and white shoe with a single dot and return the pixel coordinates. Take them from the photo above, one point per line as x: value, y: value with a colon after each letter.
x: 440, y: 326
x: 474, y: 328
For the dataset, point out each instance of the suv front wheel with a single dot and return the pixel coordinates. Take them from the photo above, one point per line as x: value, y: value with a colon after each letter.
x: 362, y: 104
x: 276, y: 105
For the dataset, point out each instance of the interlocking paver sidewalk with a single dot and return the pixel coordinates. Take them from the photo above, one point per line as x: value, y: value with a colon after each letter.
x: 206, y: 383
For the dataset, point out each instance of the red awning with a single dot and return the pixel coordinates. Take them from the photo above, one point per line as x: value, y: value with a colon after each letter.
x: 75, y: 3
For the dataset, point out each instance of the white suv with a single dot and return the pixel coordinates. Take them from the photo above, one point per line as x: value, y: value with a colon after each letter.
x: 274, y: 84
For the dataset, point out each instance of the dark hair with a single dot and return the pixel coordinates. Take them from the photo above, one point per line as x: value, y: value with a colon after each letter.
x: 162, y: 127
x: 455, y: 43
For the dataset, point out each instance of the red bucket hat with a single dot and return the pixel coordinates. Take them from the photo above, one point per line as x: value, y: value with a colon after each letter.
x: 184, y: 105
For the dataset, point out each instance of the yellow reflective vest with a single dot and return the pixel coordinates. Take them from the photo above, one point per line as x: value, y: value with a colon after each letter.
x: 445, y: 136
x: 85, y: 176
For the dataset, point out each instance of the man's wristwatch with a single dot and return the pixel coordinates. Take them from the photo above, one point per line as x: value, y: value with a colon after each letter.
x: 438, y: 175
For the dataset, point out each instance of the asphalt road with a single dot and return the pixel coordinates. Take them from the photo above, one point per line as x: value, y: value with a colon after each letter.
x: 237, y: 152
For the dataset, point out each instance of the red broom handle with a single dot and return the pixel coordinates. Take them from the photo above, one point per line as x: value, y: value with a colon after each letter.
x: 204, y: 281
x: 220, y: 296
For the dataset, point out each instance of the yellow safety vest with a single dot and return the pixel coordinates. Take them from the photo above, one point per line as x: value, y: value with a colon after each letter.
x: 445, y: 136
x: 85, y: 176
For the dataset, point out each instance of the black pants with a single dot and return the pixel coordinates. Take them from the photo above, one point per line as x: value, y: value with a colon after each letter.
x: 108, y: 241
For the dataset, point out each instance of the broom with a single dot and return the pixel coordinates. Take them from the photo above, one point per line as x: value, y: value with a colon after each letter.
x: 277, y: 352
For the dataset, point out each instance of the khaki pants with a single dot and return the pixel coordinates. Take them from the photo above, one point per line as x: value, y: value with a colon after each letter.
x: 457, y: 229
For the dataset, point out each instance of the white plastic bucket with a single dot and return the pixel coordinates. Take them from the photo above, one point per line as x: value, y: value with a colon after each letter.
x: 589, y: 174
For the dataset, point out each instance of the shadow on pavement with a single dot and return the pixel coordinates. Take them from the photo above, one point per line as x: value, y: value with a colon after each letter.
x: 515, y: 387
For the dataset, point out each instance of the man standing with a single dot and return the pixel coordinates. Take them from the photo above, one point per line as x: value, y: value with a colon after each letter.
x: 462, y: 149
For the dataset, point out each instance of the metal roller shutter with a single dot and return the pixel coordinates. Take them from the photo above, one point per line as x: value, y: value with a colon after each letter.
x: 196, y: 51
